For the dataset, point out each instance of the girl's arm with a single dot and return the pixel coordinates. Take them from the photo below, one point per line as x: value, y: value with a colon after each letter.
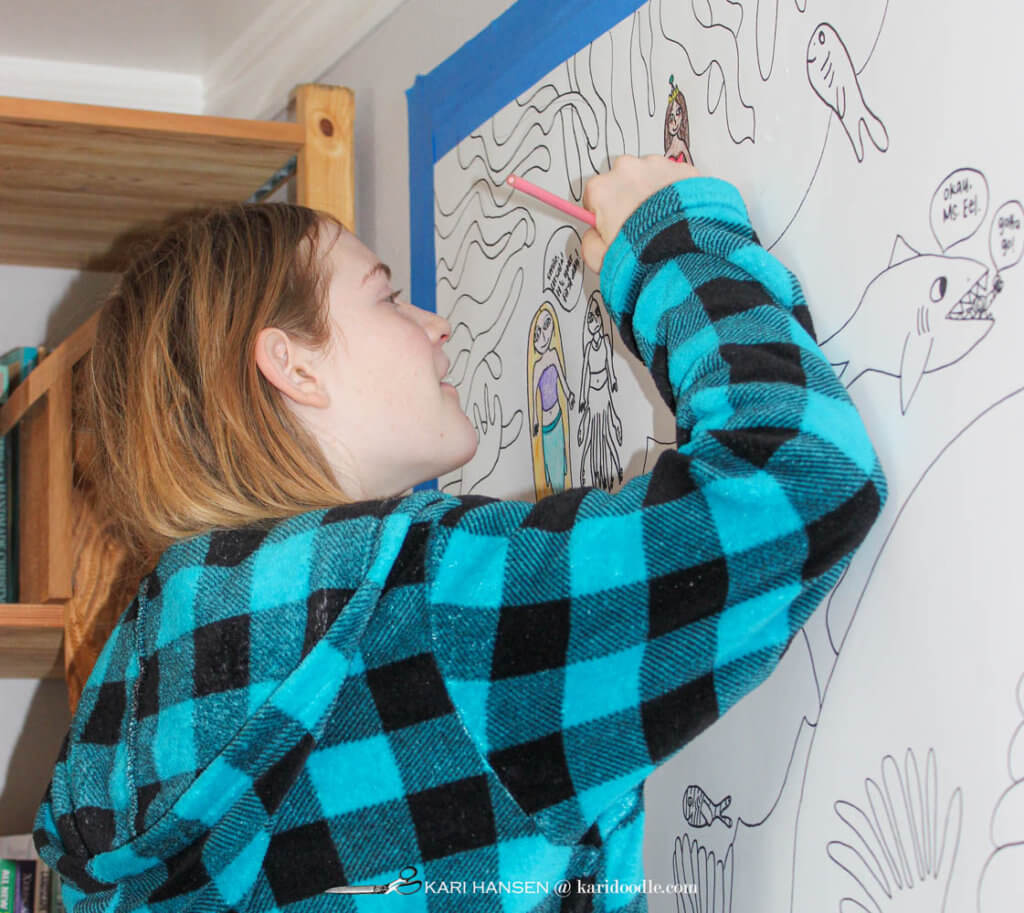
x: 586, y: 638
x: 612, y: 379
x: 564, y: 381
x: 585, y: 381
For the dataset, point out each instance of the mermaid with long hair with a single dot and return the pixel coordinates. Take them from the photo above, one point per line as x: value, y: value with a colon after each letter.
x: 550, y: 400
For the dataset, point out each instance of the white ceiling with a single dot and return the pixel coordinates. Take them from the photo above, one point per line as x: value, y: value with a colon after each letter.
x: 227, y: 57
x: 182, y: 36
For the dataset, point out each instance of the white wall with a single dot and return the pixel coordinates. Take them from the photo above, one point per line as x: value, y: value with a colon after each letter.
x: 44, y: 305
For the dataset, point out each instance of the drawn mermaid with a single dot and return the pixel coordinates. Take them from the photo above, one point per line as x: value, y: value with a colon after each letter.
x: 548, y: 392
x: 600, y: 420
x: 677, y: 126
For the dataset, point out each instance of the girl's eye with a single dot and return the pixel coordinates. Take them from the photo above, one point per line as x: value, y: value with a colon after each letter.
x: 393, y: 297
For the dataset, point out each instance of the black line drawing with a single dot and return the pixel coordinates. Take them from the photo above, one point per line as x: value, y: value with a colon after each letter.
x: 714, y: 55
x: 727, y: 13
x: 1006, y: 243
x: 1000, y: 887
x: 824, y: 145
x: 645, y: 40
x: 959, y: 206
x: 767, y: 24
x: 922, y: 313
x: 902, y: 840
x: 474, y: 356
x: 502, y: 155
x: 700, y: 811
x: 831, y: 74
x: 600, y: 428
x: 653, y: 449
x: 693, y: 864
x: 489, y: 238
x: 563, y: 268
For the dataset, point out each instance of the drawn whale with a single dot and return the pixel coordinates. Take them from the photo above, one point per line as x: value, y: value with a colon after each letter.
x: 922, y: 313
x: 834, y: 79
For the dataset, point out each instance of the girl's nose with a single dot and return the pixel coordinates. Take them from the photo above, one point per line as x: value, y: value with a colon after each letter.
x: 434, y: 325
x: 440, y: 328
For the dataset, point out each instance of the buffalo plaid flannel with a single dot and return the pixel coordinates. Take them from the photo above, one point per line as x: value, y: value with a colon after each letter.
x: 475, y: 687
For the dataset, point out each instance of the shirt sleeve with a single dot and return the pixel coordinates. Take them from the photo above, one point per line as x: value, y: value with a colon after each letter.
x: 586, y: 638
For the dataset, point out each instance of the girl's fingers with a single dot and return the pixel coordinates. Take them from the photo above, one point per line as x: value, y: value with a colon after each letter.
x: 593, y: 249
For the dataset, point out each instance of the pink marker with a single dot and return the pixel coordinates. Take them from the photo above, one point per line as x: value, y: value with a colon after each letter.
x: 571, y: 209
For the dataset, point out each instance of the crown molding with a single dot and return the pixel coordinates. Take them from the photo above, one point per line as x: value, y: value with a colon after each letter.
x: 289, y: 43
x: 93, y: 84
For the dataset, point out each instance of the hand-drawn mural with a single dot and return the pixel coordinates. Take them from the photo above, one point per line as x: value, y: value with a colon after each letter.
x: 878, y: 152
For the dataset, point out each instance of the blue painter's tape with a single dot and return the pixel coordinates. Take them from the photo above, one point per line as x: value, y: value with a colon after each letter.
x: 517, y: 49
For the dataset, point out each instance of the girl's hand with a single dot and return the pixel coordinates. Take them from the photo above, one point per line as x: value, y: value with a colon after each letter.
x: 613, y: 197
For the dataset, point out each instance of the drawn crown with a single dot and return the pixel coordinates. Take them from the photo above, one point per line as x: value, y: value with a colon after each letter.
x: 675, y: 89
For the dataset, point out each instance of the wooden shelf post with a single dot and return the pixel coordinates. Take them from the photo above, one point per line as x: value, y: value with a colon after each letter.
x: 44, y: 497
x: 326, y: 170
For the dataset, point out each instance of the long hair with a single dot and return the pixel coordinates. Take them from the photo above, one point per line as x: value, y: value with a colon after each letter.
x: 676, y: 97
x: 540, y: 483
x: 187, y: 434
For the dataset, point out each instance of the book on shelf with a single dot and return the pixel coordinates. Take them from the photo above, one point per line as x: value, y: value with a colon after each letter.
x: 5, y: 544
x: 15, y: 366
x: 27, y: 884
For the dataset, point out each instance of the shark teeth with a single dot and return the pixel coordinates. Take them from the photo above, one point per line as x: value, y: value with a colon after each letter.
x: 974, y: 305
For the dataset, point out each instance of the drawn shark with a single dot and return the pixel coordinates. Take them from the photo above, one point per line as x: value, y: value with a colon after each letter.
x: 924, y: 312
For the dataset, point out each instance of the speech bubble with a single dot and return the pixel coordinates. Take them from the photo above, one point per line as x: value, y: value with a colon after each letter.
x: 1006, y: 237
x: 958, y: 206
x: 563, y: 268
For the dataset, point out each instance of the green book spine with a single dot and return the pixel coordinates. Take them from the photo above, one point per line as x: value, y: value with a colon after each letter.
x: 19, y: 362
x: 8, y: 885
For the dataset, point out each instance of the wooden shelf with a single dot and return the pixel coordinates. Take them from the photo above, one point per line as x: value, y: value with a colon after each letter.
x: 77, y: 184
x: 31, y: 640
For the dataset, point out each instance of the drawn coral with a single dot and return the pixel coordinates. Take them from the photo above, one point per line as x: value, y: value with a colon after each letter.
x: 704, y: 881
x: 896, y: 849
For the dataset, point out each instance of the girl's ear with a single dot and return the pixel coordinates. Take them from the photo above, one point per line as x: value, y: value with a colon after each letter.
x: 290, y: 367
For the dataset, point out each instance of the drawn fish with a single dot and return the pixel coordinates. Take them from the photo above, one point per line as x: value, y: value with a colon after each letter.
x: 834, y: 80
x: 700, y: 811
x: 922, y: 313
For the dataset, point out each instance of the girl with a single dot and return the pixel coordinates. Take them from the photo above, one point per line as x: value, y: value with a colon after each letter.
x: 325, y: 685
x: 677, y: 126
x: 600, y: 421
x: 548, y: 390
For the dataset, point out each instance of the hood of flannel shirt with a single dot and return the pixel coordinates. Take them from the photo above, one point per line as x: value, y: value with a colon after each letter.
x: 207, y: 699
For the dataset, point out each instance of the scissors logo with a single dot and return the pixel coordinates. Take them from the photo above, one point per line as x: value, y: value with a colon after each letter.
x: 403, y: 884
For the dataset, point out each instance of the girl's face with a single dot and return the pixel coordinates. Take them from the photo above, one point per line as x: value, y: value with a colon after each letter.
x: 390, y: 422
x: 542, y: 332
x: 674, y: 117
x: 594, y: 317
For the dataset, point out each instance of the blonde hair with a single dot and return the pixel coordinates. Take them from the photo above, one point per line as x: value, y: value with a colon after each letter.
x: 188, y: 434
x: 540, y: 484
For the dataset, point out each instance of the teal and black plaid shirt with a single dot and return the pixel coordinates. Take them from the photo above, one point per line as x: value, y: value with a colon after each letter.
x: 475, y: 687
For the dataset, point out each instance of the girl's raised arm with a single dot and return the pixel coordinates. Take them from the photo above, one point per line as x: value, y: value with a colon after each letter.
x: 586, y: 638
